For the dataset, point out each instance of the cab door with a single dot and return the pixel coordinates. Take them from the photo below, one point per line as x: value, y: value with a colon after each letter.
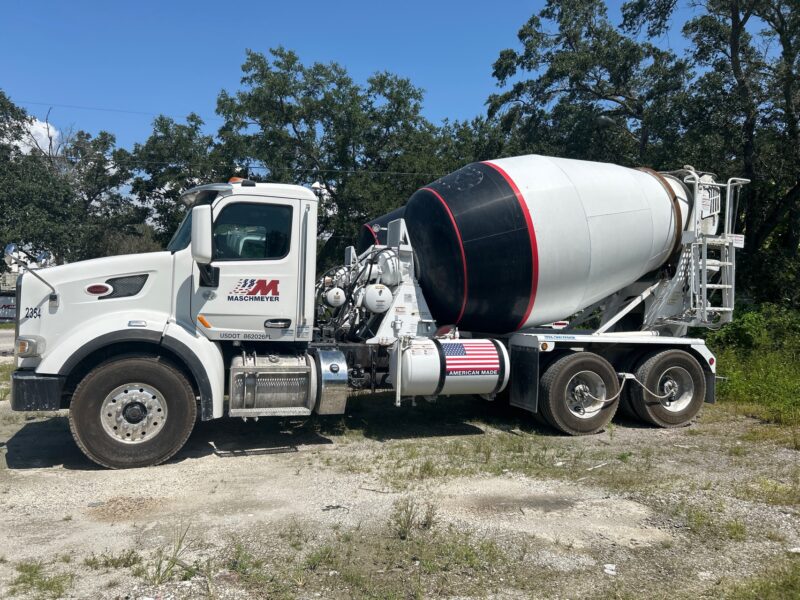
x: 255, y: 264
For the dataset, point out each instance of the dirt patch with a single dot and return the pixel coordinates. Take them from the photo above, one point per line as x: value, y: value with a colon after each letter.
x: 124, y: 508
x: 553, y: 511
x: 488, y: 504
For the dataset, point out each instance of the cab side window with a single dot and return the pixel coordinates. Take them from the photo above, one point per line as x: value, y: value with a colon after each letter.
x: 245, y: 231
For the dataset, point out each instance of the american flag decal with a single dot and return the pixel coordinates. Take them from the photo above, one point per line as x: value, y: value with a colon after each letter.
x: 244, y: 286
x: 471, y: 357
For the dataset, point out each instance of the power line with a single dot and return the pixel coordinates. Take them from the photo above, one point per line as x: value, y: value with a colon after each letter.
x: 250, y: 166
x: 111, y: 110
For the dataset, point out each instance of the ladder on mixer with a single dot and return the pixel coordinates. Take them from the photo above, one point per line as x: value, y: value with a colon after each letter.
x: 702, y: 290
x: 713, y: 257
x: 712, y: 303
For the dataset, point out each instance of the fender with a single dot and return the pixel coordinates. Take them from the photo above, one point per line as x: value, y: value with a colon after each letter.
x: 74, y: 345
x: 202, y: 357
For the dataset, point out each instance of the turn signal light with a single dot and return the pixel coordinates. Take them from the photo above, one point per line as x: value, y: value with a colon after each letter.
x: 27, y: 347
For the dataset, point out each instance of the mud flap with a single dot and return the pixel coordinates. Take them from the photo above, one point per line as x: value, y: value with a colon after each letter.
x: 711, y: 387
x: 525, y: 377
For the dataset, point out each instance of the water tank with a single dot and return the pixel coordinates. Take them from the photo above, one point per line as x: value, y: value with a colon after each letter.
x: 516, y: 242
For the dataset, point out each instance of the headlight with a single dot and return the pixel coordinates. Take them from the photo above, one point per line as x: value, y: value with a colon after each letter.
x: 29, y: 346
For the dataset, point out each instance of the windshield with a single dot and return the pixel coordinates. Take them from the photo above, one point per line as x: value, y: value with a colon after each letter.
x: 183, y: 236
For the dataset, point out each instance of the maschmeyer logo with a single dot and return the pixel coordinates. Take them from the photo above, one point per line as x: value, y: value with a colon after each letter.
x: 255, y: 290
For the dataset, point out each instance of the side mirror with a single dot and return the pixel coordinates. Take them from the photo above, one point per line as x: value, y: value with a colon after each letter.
x: 10, y: 251
x: 44, y: 258
x: 202, y: 247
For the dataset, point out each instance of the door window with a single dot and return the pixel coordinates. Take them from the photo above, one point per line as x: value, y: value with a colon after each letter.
x: 246, y: 231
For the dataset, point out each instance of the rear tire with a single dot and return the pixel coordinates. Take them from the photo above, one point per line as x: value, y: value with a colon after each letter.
x: 132, y: 412
x: 671, y: 371
x: 573, y: 392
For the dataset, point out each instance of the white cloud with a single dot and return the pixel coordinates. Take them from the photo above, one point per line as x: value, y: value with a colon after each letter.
x: 39, y: 134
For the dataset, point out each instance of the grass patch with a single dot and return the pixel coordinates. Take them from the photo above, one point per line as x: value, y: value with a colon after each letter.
x: 106, y: 561
x: 778, y: 583
x: 168, y: 562
x: 426, y: 560
x: 7, y: 325
x: 776, y: 434
x: 705, y: 523
x: 32, y: 579
x: 404, y: 464
x: 5, y: 379
x: 407, y: 516
x: 770, y: 491
x: 758, y: 355
x: 423, y: 563
x: 764, y: 385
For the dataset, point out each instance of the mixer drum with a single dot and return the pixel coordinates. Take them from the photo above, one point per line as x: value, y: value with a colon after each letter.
x: 517, y: 242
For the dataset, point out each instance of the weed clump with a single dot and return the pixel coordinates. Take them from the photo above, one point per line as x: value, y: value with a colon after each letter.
x: 32, y: 579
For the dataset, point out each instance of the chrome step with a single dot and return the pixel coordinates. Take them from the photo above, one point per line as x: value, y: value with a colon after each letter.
x: 278, y: 411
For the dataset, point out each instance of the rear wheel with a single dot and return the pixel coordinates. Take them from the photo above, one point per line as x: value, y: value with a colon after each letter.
x: 575, y: 392
x: 675, y: 389
x: 132, y: 412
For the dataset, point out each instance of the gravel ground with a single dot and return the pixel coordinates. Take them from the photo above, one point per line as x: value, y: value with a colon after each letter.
x: 633, y: 512
x: 6, y: 342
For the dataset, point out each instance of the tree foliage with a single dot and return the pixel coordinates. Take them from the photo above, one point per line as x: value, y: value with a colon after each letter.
x: 65, y: 196
x: 365, y: 145
x: 579, y: 82
x: 176, y: 157
x: 581, y: 86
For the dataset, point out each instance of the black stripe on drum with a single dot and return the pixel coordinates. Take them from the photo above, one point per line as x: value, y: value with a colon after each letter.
x: 501, y: 373
x: 442, y: 367
x: 474, y: 210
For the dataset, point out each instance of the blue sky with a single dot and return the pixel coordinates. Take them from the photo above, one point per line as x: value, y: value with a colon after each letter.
x: 173, y: 57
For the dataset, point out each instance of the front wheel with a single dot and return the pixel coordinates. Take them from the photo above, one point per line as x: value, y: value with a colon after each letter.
x: 132, y: 412
x: 579, y: 393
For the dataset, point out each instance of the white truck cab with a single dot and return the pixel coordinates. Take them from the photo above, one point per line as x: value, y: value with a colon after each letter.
x: 174, y: 315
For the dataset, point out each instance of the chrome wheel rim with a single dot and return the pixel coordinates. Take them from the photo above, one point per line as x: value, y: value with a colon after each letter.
x: 586, y: 394
x: 133, y: 413
x: 677, y: 385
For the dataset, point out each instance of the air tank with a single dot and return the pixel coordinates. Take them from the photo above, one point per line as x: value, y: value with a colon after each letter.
x: 516, y: 242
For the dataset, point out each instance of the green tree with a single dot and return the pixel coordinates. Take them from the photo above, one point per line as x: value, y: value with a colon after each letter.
x: 742, y: 120
x: 580, y: 87
x: 176, y: 157
x: 64, y: 196
x: 728, y: 105
x: 368, y: 146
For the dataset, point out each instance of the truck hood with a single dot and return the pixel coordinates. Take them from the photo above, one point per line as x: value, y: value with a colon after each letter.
x: 146, y: 298
x: 100, y: 268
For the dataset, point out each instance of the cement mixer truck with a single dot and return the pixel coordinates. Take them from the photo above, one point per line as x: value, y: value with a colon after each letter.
x: 567, y: 287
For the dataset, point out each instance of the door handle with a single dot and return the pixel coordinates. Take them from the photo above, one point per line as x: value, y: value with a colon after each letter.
x: 278, y: 323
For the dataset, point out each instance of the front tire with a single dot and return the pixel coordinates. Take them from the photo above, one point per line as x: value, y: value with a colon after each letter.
x: 132, y: 412
x: 574, y: 393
